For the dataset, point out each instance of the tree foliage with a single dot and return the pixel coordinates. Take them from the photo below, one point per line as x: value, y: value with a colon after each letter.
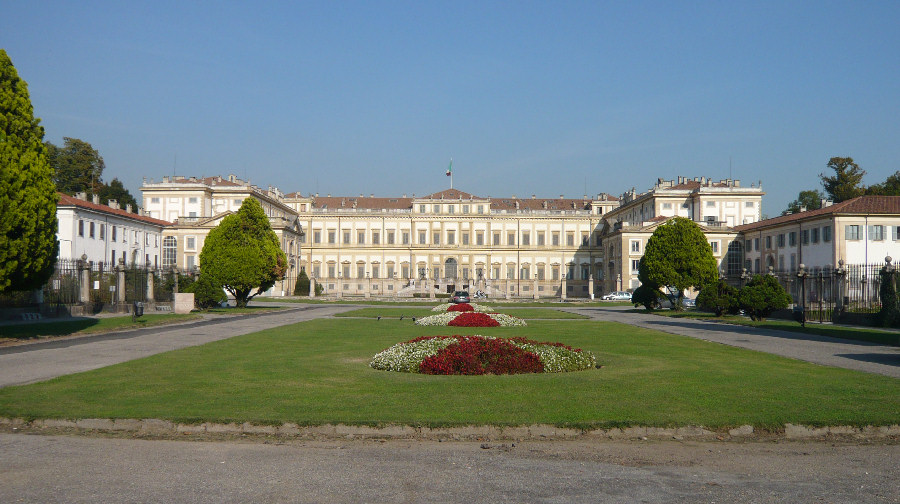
x: 679, y: 257
x: 115, y: 190
x: 647, y: 296
x: 28, y: 246
x: 719, y: 297
x: 811, y: 200
x: 763, y: 295
x: 846, y: 183
x: 206, y: 295
x: 78, y: 165
x: 889, y: 316
x: 890, y: 187
x: 302, y: 287
x: 242, y: 254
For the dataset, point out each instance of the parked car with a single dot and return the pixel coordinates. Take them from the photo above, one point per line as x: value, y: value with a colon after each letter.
x: 460, y: 297
x: 689, y: 303
x: 617, y: 296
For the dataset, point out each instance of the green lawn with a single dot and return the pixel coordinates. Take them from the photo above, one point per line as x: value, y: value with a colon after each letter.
x: 525, y: 313
x: 317, y: 372
x: 89, y: 325
x: 870, y: 334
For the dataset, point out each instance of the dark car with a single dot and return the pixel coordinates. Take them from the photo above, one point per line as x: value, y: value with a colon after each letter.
x: 460, y: 297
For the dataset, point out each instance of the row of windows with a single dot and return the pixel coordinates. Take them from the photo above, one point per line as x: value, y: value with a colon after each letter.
x: 451, y: 209
x: 807, y: 236
x: 450, y: 238
x: 875, y: 233
x: 98, y: 231
x: 113, y: 256
x: 524, y: 272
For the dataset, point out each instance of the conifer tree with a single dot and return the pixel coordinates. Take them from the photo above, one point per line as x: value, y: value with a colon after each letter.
x: 28, y: 245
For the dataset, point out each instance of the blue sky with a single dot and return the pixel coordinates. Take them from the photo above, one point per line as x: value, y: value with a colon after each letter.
x: 543, y: 98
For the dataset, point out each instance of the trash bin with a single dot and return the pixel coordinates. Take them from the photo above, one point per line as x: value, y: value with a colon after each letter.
x: 138, y: 309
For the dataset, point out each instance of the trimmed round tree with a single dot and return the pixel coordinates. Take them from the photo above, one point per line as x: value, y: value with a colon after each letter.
x: 242, y: 254
x: 762, y: 296
x: 28, y: 246
x: 718, y: 297
x: 679, y: 257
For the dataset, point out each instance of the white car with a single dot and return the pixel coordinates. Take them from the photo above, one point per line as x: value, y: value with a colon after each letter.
x: 617, y: 296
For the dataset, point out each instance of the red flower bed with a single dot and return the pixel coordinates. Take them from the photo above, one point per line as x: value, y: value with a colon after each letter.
x: 473, y: 319
x: 461, y: 307
x: 478, y: 356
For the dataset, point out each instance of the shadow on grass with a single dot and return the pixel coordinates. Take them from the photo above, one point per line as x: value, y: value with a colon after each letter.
x: 42, y: 329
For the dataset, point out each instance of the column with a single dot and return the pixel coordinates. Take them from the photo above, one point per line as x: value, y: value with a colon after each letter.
x: 562, y: 289
x: 150, y: 281
x: 591, y: 286
x: 534, y: 288
x: 368, y: 293
x: 84, y: 274
x: 312, y: 287
x: 120, y: 282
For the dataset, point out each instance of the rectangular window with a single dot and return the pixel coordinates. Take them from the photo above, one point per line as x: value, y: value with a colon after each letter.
x: 768, y: 242
x: 406, y: 237
x: 331, y: 237
x: 390, y: 235
x: 113, y: 237
x: 390, y: 271
x: 804, y: 236
x: 317, y: 236
x: 710, y: 204
x: 635, y: 265
x: 781, y: 240
x: 748, y: 204
x: 815, y: 235
x: 451, y: 238
x: 421, y: 208
x: 481, y: 209
x: 465, y: 238
x: 793, y: 262
x: 585, y: 241
x: 715, y: 246
x: 511, y: 272
x: 479, y: 238
x: 826, y: 234
x: 190, y: 243
x: 375, y: 271
x: 511, y: 239
x: 331, y: 273
x: 540, y: 239
x: 91, y: 232
x: 112, y: 258
x: 346, y: 237
x: 748, y: 244
x: 192, y: 200
x: 792, y: 239
x: 437, y: 272
x: 451, y: 209
x: 102, y: 231
x: 465, y: 209
x: 554, y: 273
x: 361, y: 237
x: 636, y: 246
x: 667, y: 206
x: 437, y: 238
x: 375, y: 238
x: 554, y: 239
x: 404, y: 270
x: 570, y: 239
x: 154, y: 200
x: 526, y: 238
x: 852, y: 232
x: 238, y: 202
x: 421, y: 237
x: 497, y: 239
x: 876, y: 233
x: 189, y: 262
x: 346, y: 271
x: 360, y: 271
x: 436, y: 209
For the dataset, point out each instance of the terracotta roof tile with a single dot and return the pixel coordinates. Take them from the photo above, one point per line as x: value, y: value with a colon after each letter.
x: 66, y: 200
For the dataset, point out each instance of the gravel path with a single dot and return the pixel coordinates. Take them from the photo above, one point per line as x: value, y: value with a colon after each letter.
x: 41, y: 361
x: 849, y: 354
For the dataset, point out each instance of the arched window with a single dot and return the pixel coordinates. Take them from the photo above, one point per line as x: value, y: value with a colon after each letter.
x: 169, y: 250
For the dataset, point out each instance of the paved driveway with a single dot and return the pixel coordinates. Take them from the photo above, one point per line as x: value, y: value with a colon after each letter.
x: 858, y: 355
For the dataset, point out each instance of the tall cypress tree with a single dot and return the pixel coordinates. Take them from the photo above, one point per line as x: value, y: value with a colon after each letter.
x: 28, y: 245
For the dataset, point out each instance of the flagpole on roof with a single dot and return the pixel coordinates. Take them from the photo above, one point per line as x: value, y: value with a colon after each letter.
x: 450, y: 173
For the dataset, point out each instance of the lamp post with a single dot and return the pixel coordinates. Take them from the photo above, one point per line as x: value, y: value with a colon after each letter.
x: 745, y: 275
x: 801, y: 278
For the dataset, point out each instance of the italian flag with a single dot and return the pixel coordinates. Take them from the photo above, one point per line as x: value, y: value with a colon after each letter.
x: 450, y: 168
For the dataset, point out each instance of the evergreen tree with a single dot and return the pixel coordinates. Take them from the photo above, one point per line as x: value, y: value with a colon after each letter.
x: 811, y: 200
x: 763, y: 295
x: 302, y: 287
x: 846, y: 183
x: 679, y: 257
x: 889, y: 316
x: 718, y: 297
x: 28, y: 246
x: 242, y: 254
x: 78, y: 165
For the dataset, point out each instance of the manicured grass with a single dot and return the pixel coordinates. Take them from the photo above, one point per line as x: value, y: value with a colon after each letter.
x: 89, y: 325
x: 317, y: 372
x: 431, y: 302
x: 233, y: 310
x: 869, y: 334
x: 525, y: 313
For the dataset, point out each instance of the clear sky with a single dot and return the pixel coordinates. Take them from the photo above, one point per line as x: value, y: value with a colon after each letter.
x: 543, y: 98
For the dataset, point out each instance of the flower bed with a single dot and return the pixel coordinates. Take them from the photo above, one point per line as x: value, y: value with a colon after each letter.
x: 461, y: 307
x: 471, y: 319
x: 475, y: 307
x: 476, y: 355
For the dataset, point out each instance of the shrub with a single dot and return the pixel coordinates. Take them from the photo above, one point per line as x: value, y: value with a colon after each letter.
x: 719, y: 298
x: 472, y: 355
x: 647, y: 295
x: 302, y: 287
x: 762, y: 296
x: 461, y: 307
x: 206, y: 295
x: 473, y: 319
x: 889, y: 315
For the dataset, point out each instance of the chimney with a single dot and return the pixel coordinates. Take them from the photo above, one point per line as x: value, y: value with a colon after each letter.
x: 165, y: 179
x: 113, y: 204
x: 95, y: 199
x: 533, y: 196
x: 561, y: 196
x: 827, y: 203
x: 371, y: 195
x: 802, y: 208
x: 128, y: 208
x: 81, y: 195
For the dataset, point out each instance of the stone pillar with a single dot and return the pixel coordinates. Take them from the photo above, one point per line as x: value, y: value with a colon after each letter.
x: 368, y: 293
x: 312, y: 287
x: 120, y: 282
x: 340, y: 287
x: 534, y: 289
x: 430, y: 289
x: 84, y: 275
x: 562, y: 289
x: 591, y: 286
x: 506, y: 288
x: 150, y: 280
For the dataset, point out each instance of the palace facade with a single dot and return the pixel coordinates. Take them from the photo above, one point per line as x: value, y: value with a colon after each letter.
x: 530, y: 247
